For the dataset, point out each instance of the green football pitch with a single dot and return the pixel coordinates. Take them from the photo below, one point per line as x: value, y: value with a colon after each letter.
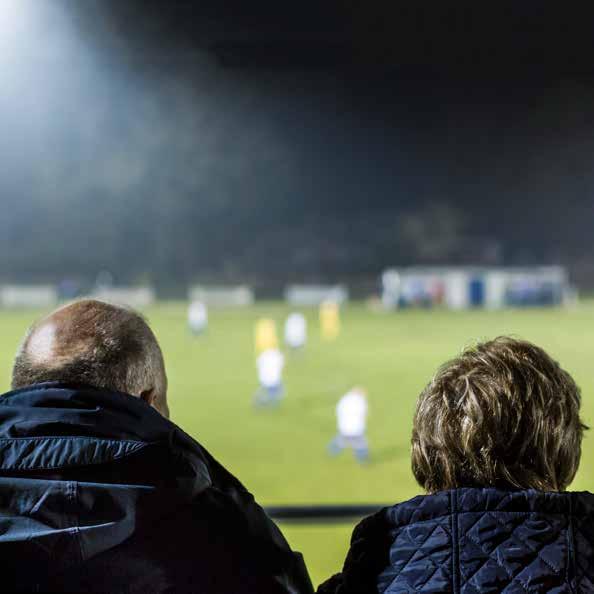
x: 280, y: 455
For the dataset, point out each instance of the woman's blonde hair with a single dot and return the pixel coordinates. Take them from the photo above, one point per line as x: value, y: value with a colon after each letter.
x: 502, y: 414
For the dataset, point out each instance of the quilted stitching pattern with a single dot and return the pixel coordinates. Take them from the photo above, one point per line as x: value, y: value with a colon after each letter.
x: 472, y: 541
x: 582, y: 526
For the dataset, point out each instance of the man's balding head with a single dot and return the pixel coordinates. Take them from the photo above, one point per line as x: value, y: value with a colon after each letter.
x: 98, y: 344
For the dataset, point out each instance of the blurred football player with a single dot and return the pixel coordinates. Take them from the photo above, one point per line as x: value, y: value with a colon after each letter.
x: 329, y: 320
x: 265, y: 335
x: 197, y: 317
x: 351, y: 416
x: 296, y: 331
x: 270, y: 364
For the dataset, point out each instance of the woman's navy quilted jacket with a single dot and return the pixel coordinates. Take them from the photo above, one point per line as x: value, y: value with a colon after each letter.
x: 474, y: 541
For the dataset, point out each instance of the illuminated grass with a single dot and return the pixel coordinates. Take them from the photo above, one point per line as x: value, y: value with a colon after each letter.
x: 280, y: 455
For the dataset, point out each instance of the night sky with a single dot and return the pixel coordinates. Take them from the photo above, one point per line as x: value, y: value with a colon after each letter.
x: 188, y: 140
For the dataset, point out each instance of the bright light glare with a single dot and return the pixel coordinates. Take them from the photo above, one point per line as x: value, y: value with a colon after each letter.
x: 12, y: 16
x: 16, y: 27
x: 37, y: 47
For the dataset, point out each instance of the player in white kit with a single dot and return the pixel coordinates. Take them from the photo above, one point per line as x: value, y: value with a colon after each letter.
x: 197, y: 317
x: 270, y: 364
x: 296, y: 331
x: 351, y: 416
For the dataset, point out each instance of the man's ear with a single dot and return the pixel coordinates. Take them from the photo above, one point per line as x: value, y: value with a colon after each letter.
x: 148, y: 396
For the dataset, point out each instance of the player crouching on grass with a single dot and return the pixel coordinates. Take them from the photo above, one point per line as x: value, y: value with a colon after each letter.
x: 496, y: 441
x: 101, y: 492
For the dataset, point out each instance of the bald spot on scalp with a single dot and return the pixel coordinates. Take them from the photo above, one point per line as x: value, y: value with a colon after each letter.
x: 64, y: 335
x: 40, y: 346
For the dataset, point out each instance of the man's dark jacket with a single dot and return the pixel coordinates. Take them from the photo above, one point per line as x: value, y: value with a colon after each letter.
x: 474, y: 541
x: 100, y: 493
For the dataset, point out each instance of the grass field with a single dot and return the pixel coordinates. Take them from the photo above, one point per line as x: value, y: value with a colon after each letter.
x: 280, y: 455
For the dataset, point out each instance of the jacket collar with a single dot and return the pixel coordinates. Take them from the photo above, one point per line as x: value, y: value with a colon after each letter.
x: 427, y: 507
x: 58, y: 426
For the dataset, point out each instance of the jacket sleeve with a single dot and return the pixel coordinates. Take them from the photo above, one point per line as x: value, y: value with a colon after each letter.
x: 279, y: 568
x: 253, y: 537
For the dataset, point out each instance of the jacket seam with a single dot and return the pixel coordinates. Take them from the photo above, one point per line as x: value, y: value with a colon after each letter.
x: 76, y: 502
x: 455, y: 551
x: 69, y: 437
x: 402, y: 524
x: 570, y: 573
x: 81, y: 545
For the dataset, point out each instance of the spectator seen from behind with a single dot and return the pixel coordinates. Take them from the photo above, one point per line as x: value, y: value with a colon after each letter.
x: 496, y: 442
x: 100, y: 492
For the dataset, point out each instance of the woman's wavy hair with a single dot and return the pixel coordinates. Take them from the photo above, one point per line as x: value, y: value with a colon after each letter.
x: 502, y: 414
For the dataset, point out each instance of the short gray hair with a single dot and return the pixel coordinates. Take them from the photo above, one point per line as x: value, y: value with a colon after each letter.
x: 97, y: 344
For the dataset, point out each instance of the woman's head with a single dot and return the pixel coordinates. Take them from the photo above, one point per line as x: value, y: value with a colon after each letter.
x: 502, y: 414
